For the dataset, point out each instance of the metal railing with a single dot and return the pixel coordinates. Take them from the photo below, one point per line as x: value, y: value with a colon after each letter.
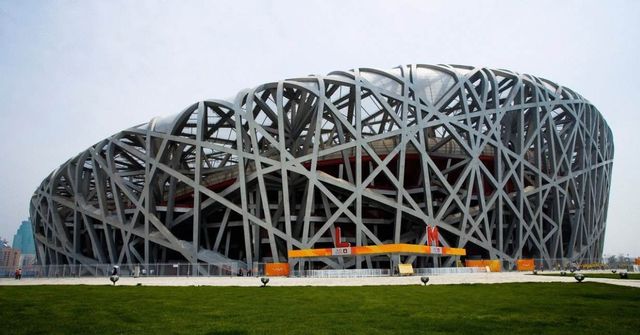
x: 127, y: 270
x: 346, y: 273
x: 567, y: 264
x: 444, y: 271
x: 257, y: 269
x: 558, y: 264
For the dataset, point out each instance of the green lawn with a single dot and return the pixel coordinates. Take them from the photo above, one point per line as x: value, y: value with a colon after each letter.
x: 597, y: 275
x: 544, y: 308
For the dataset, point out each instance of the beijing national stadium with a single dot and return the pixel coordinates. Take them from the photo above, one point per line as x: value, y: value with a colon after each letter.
x: 501, y: 165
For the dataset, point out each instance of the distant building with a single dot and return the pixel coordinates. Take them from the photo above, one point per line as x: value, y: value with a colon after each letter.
x: 9, y: 257
x: 23, y: 239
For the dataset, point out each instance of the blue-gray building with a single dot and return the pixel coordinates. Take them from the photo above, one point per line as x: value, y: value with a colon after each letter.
x: 23, y: 239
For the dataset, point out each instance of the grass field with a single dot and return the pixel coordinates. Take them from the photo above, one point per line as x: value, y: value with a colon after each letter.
x: 524, y: 308
x: 598, y: 275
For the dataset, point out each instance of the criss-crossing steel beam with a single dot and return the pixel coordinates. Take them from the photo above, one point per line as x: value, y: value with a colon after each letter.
x: 506, y: 165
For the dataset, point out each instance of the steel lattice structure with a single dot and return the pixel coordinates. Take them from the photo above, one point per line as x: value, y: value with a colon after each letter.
x: 507, y: 166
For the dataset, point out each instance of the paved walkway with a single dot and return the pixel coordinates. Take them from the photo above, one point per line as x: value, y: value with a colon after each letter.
x: 469, y: 278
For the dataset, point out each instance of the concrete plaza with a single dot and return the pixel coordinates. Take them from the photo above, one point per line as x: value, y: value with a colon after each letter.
x: 446, y: 279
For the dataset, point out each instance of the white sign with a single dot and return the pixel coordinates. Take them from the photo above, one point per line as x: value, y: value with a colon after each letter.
x: 175, y: 265
x: 436, y: 250
x: 340, y: 251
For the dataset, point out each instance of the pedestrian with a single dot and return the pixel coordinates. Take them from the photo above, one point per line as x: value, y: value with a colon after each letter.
x: 19, y: 273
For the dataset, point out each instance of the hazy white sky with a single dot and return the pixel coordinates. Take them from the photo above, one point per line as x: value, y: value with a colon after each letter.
x: 75, y: 72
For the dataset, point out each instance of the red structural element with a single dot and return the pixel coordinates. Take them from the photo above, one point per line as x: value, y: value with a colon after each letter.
x: 338, y: 243
x: 432, y: 235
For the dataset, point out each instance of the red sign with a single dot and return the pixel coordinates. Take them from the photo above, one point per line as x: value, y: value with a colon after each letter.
x: 432, y: 235
x: 338, y: 243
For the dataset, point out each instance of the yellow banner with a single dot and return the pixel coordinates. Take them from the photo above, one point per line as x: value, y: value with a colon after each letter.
x: 405, y: 269
x: 378, y: 250
x: 276, y: 269
x: 494, y: 264
x: 525, y: 265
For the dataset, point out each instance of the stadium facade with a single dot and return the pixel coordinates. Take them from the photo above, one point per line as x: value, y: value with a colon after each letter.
x: 506, y: 165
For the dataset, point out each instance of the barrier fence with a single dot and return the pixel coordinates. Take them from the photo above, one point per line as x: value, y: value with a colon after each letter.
x: 206, y: 270
x: 127, y: 270
x: 443, y: 271
x: 560, y: 264
x: 346, y: 273
x: 258, y: 269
